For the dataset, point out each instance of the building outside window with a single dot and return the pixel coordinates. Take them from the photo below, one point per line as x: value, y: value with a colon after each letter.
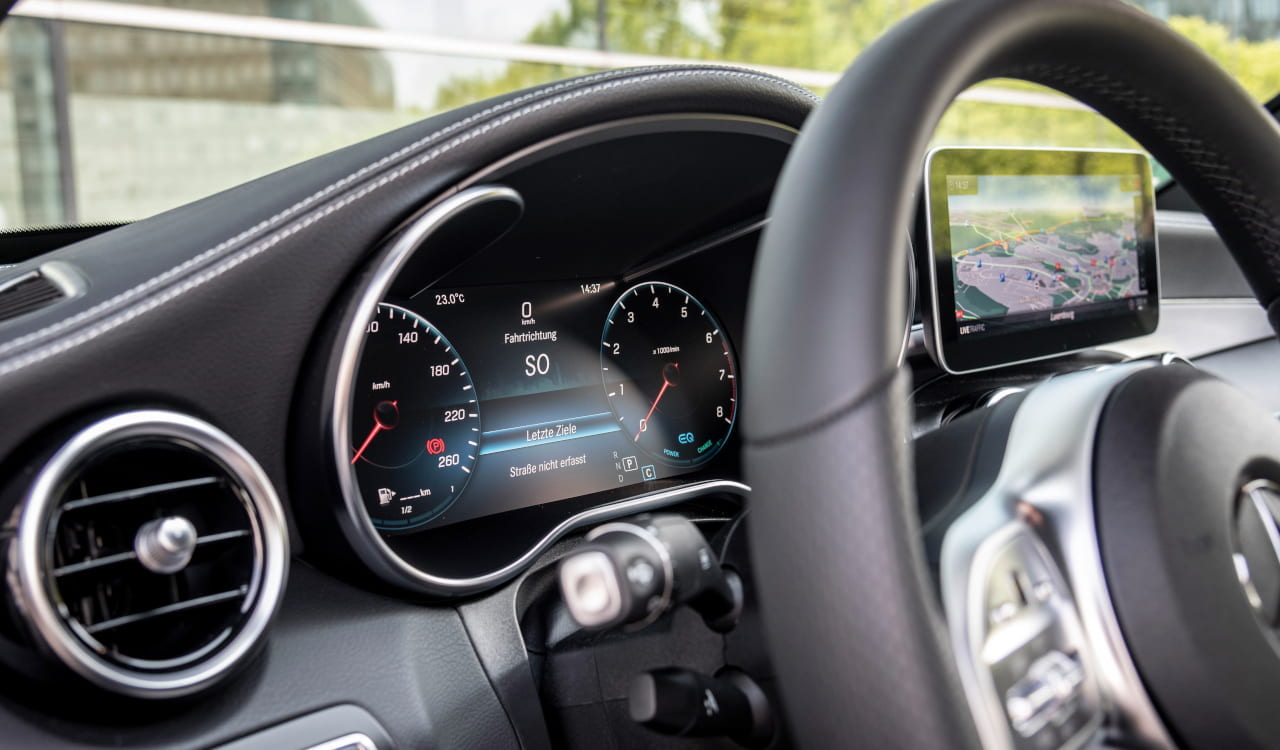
x: 114, y: 111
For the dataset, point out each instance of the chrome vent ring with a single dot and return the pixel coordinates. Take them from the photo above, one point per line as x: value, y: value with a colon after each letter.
x: 150, y: 554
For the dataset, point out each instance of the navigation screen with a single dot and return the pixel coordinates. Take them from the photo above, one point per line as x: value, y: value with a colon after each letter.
x: 1046, y: 251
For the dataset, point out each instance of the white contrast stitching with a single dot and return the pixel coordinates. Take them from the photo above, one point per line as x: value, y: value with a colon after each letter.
x: 612, y: 80
x: 207, y: 254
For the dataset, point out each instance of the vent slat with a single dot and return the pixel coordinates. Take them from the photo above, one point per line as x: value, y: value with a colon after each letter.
x: 130, y: 556
x: 27, y: 294
x: 138, y: 493
x: 168, y: 609
x: 225, y: 536
x: 95, y: 564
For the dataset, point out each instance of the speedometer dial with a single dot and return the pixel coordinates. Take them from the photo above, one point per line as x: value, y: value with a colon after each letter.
x: 669, y: 374
x: 415, y: 423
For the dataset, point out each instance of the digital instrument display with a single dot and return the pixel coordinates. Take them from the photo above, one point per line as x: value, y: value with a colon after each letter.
x: 471, y: 402
x: 1035, y: 253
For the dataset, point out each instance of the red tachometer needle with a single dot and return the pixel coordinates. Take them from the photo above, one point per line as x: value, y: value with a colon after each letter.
x: 385, y: 417
x: 670, y: 376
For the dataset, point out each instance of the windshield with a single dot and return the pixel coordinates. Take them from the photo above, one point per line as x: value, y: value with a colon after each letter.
x: 114, y: 111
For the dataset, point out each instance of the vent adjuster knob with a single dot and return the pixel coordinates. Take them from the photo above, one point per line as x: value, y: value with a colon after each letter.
x: 165, y: 545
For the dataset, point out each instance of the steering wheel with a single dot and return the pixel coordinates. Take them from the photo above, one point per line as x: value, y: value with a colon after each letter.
x: 1140, y: 498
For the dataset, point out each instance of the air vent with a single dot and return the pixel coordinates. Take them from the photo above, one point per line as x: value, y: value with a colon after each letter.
x: 27, y: 293
x: 150, y: 554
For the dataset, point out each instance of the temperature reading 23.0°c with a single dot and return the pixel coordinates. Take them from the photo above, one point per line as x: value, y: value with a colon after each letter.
x: 415, y: 421
x: 669, y: 374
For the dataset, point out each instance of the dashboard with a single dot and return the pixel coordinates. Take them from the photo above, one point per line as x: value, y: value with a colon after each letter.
x: 411, y: 413
x: 414, y: 373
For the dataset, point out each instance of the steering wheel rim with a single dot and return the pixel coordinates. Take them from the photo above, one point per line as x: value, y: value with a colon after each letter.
x: 849, y: 603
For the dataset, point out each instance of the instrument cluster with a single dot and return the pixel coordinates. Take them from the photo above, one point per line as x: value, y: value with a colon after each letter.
x: 549, y: 345
x: 476, y: 401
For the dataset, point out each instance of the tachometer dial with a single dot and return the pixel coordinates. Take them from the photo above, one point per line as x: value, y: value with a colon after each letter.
x: 669, y: 374
x: 415, y: 422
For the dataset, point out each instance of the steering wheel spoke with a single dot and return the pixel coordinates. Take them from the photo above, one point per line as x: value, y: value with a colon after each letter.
x: 1027, y: 672
x: 1040, y: 651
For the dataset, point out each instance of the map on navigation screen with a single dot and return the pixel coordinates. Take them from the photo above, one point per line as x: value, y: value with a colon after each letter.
x: 1034, y: 253
x: 1037, y: 243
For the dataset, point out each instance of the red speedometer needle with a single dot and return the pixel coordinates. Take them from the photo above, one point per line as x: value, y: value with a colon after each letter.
x: 670, y: 376
x: 385, y: 417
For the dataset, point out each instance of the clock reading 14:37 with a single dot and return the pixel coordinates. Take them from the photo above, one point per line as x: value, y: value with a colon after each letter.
x: 669, y: 374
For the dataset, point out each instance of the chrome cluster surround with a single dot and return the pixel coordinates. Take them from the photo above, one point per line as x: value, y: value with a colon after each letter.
x: 30, y: 555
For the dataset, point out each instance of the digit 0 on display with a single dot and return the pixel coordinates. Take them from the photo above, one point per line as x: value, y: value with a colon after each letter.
x: 669, y: 374
x: 415, y: 421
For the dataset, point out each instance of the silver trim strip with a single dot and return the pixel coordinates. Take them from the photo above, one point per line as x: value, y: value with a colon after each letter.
x: 353, y: 741
x: 991, y: 398
x: 30, y: 561
x: 21, y: 278
x: 1184, y: 220
x: 1198, y: 327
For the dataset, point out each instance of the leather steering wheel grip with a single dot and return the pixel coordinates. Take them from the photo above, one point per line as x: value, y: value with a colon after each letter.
x: 850, y: 609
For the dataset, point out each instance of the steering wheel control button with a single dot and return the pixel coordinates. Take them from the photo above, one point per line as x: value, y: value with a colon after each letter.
x: 165, y: 545
x: 631, y: 573
x: 1021, y: 640
x: 1257, y: 558
x: 1045, y: 694
x: 684, y: 703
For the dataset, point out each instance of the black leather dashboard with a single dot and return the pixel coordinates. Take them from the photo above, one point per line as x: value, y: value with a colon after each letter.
x: 214, y: 309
